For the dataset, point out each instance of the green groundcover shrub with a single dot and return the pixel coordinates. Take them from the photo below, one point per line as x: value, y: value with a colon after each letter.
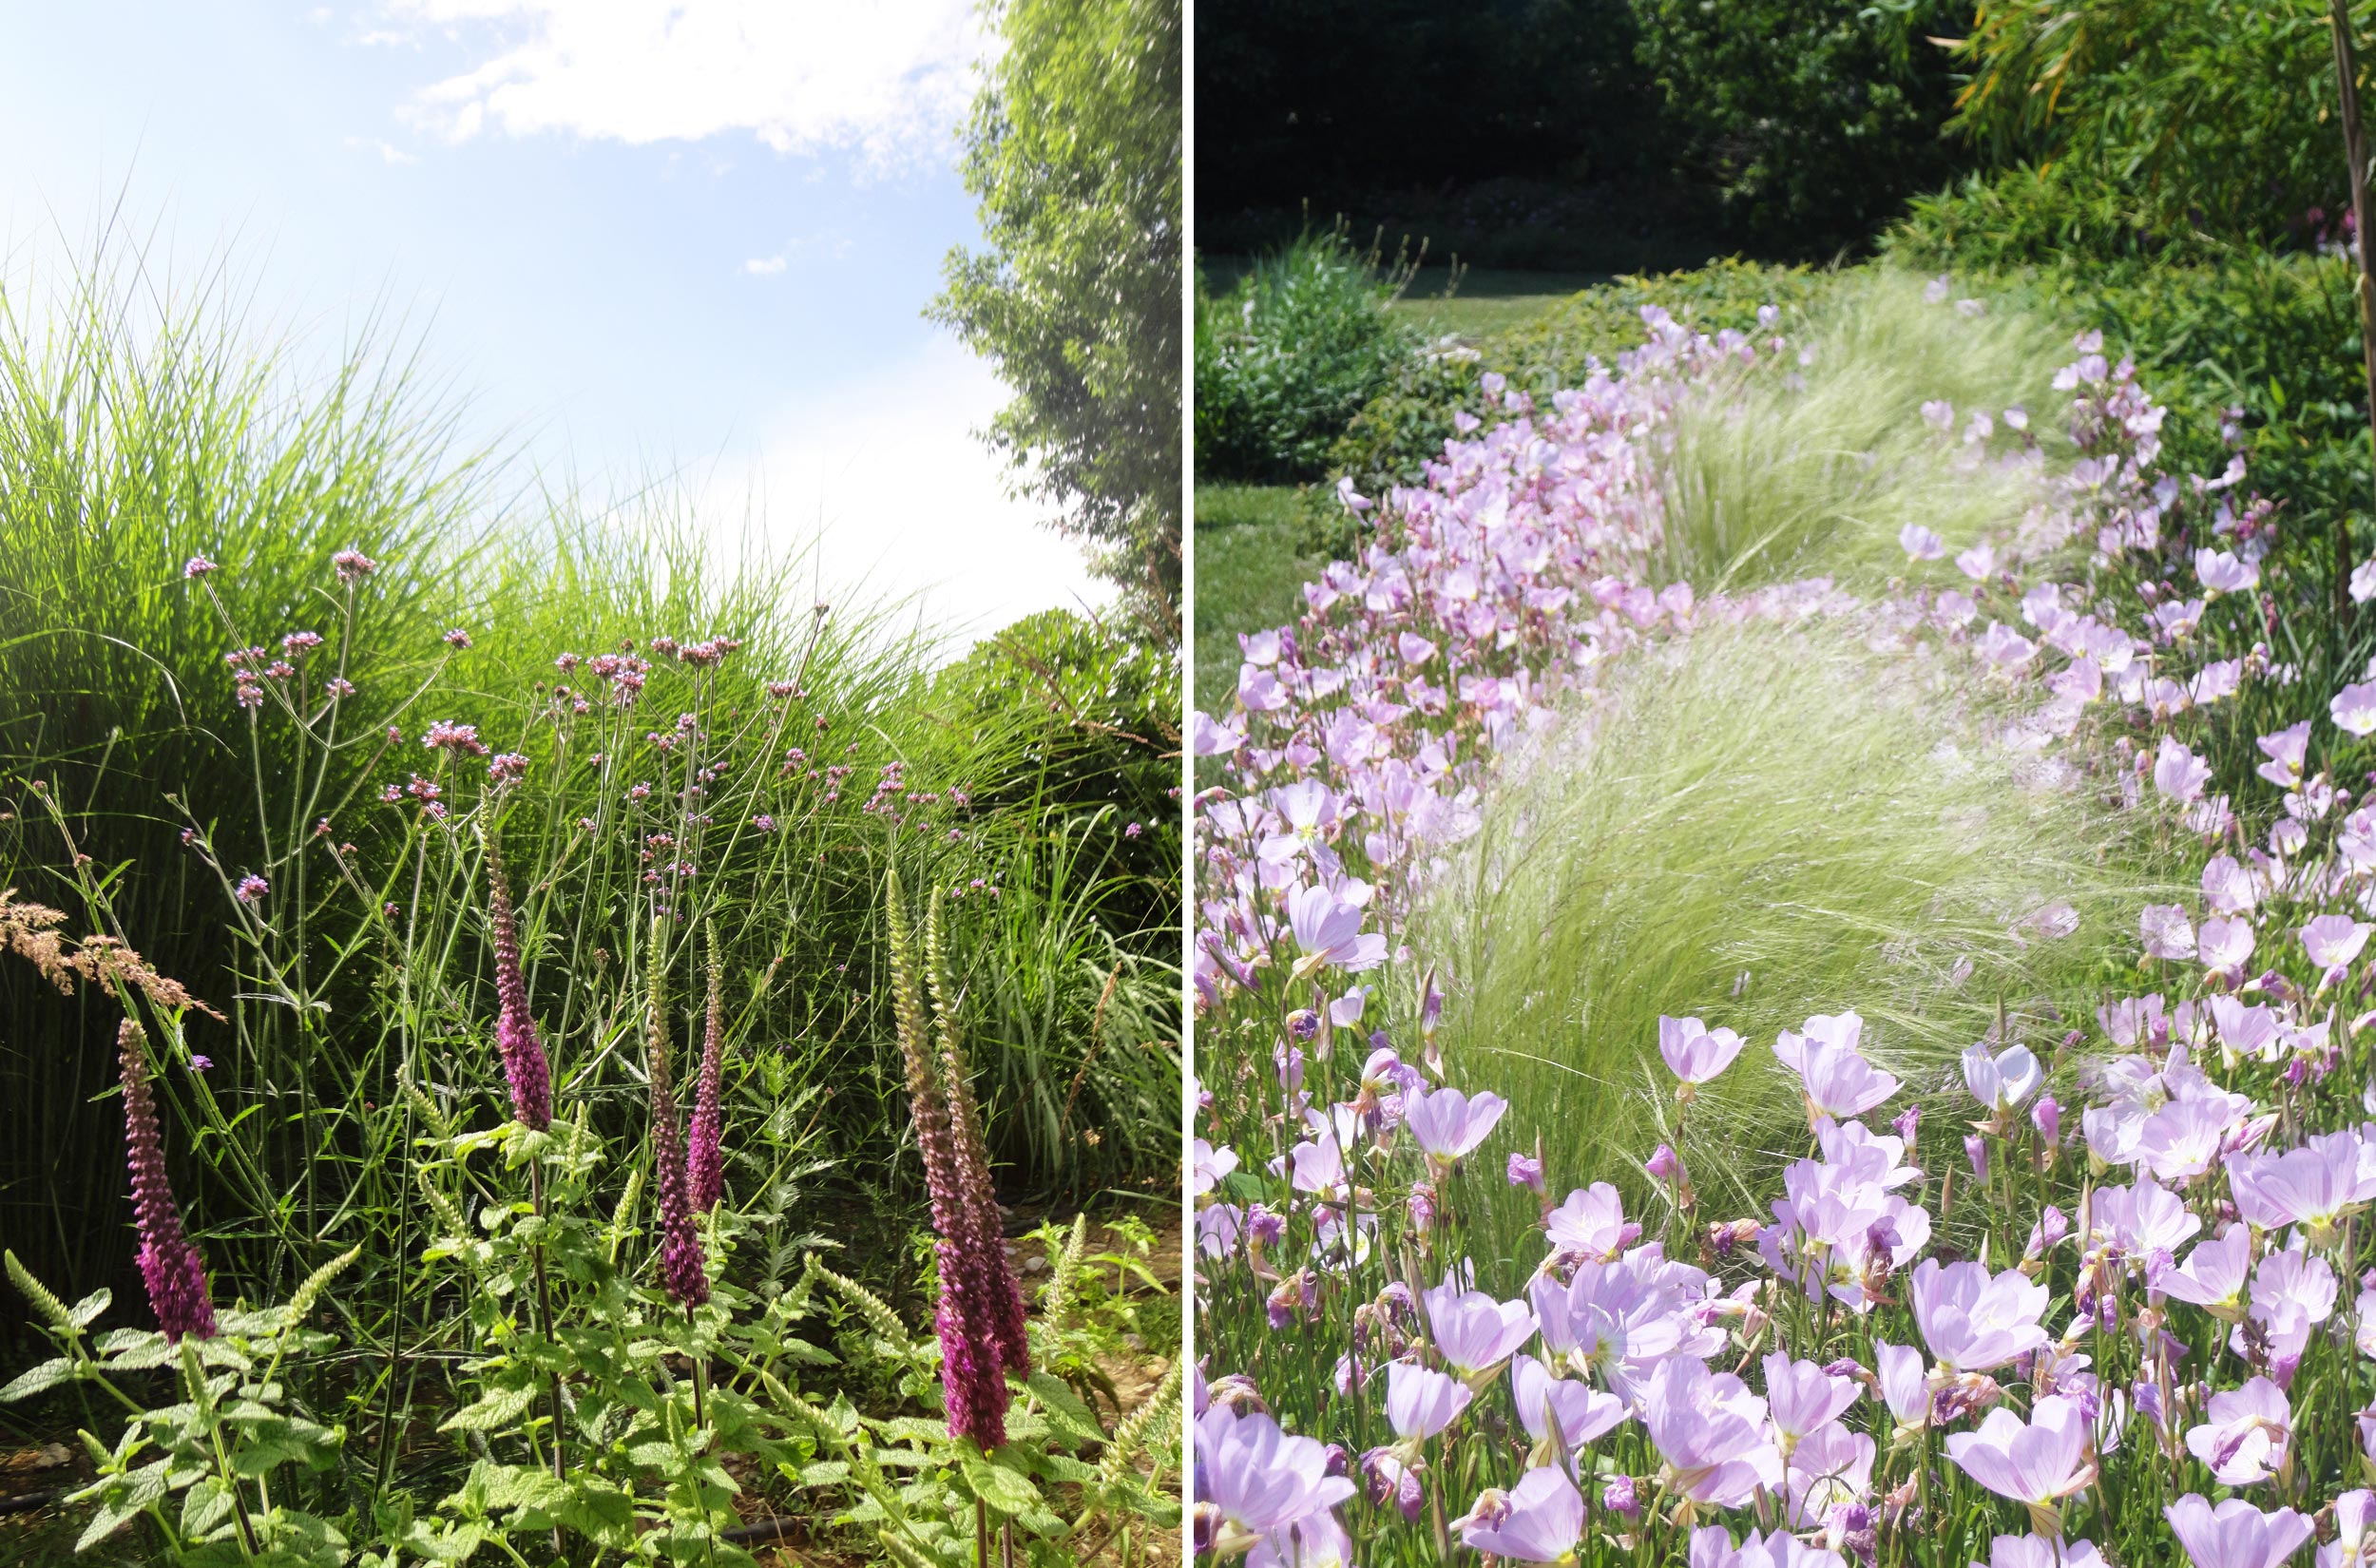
x: 1286, y: 357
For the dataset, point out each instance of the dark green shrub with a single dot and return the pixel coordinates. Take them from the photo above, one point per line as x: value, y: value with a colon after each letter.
x: 1287, y: 355
x: 2178, y: 116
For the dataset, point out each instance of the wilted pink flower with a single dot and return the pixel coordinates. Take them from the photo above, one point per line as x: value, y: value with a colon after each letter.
x: 1526, y: 1171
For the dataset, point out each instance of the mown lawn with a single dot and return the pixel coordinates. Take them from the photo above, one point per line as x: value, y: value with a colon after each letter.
x: 1249, y: 574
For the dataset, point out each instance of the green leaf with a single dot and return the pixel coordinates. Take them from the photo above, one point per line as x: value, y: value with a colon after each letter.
x: 495, y: 1408
x: 208, y: 1505
x: 1008, y: 1491
x: 1066, y: 1411
x: 86, y: 1311
x: 47, y: 1375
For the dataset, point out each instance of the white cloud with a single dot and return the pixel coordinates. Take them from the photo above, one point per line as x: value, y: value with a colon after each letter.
x: 886, y: 79
x: 765, y: 266
x: 883, y: 474
x: 389, y: 152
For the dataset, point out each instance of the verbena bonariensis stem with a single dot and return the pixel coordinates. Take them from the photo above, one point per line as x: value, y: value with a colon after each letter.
x: 680, y: 1262
x: 705, y: 1168
x: 524, y: 1066
x: 169, y: 1264
x: 973, y: 1384
x: 1004, y: 1297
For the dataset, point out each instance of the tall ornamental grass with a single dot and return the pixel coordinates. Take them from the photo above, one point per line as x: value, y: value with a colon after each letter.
x: 450, y: 595
x: 1819, y: 470
x: 1746, y: 825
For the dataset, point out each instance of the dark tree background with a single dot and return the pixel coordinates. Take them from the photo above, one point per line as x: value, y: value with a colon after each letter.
x: 1786, y: 128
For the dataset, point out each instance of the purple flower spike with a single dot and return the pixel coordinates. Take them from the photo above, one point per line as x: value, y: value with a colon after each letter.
x: 169, y: 1265
x: 683, y: 1273
x: 523, y: 1054
x: 705, y: 1171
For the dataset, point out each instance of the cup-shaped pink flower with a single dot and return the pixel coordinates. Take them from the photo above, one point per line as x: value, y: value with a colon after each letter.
x: 1694, y: 1053
x: 1474, y: 1332
x: 1421, y: 1402
x: 1904, y: 1387
x: 1710, y: 1430
x: 1591, y: 1223
x: 2354, y: 709
x: 1448, y: 1124
x: 1566, y: 1411
x: 2317, y: 1186
x: 2224, y: 945
x: 2035, y: 1464
x: 2040, y: 1552
x: 1974, y: 1321
x: 2178, y: 773
x: 2354, y: 1545
x: 1711, y: 1547
x: 1840, y: 1083
x: 1327, y: 928
x: 2214, y: 1275
x: 1801, y: 1397
x: 2246, y: 1435
x: 2004, y: 1081
x: 2236, y: 1534
x: 1259, y: 1478
x: 2332, y: 940
x: 1540, y: 1520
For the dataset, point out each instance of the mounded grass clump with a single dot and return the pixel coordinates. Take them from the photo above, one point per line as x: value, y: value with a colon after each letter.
x: 1816, y: 471
x: 1752, y: 824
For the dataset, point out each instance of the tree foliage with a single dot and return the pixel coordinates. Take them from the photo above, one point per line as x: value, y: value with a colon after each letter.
x: 1074, y: 153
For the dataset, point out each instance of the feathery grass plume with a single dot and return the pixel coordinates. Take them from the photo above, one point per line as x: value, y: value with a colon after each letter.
x: 1002, y: 1296
x: 169, y: 1264
x: 524, y: 1066
x: 681, y: 1268
x: 1774, y: 478
x: 705, y: 1164
x: 972, y: 1386
x: 1754, y: 825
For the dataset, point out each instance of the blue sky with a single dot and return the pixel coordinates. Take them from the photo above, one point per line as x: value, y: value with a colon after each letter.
x: 691, y: 239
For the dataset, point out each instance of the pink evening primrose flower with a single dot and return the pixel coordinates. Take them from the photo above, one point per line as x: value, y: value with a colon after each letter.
x: 2219, y: 571
x: 1474, y: 1332
x: 2035, y: 1464
x: 1421, y: 1402
x: 1920, y: 544
x: 1840, y: 1083
x: 2236, y: 1534
x: 1327, y: 928
x: 2178, y: 773
x: 2224, y: 945
x: 2167, y: 931
x: 1540, y: 1519
x: 1447, y: 1124
x: 2332, y: 940
x: 1258, y: 1479
x: 2040, y: 1552
x: 1563, y: 1411
x: 1974, y: 1321
x: 2354, y: 1545
x: 2245, y: 1435
x: 2286, y: 751
x: 2354, y: 709
x: 1710, y: 1430
x: 2004, y: 1082
x: 1694, y: 1053
x: 1711, y: 1547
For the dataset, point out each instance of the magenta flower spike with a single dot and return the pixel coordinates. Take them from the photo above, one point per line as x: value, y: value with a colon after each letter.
x: 682, y: 1269
x: 705, y: 1168
x: 170, y: 1265
x: 973, y: 1385
x: 530, y: 1074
